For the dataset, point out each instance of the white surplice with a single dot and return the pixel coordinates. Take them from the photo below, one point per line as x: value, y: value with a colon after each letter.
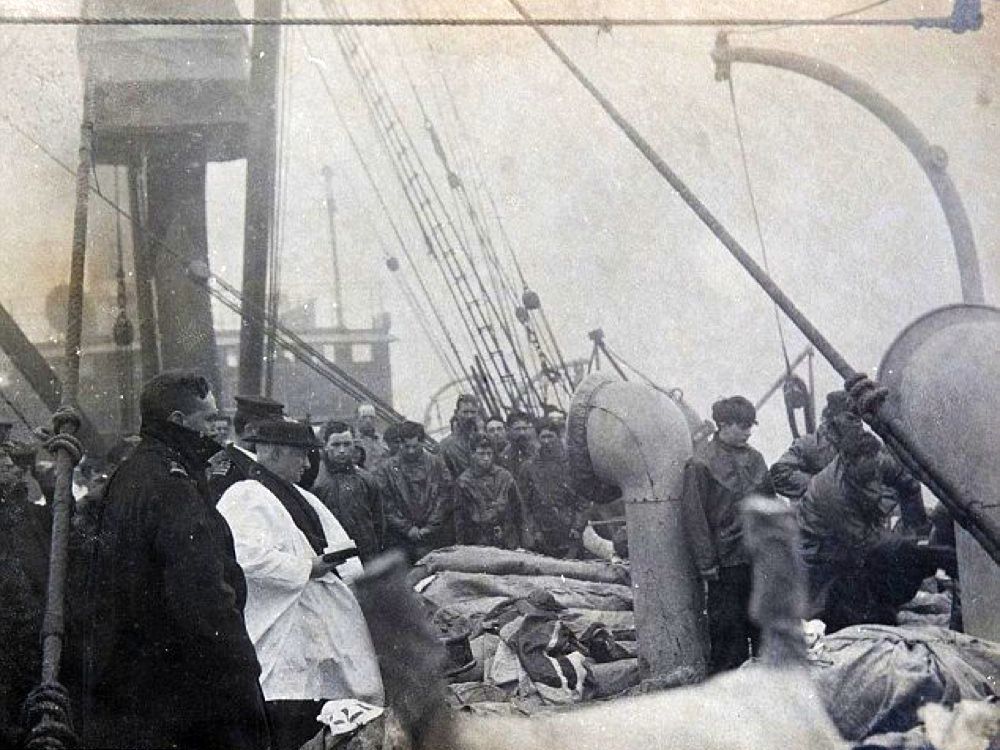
x: 310, y: 634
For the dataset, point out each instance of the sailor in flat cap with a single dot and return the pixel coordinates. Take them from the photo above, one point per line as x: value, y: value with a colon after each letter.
x: 232, y: 463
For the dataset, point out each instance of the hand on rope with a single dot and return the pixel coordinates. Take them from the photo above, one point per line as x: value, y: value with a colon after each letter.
x: 47, y: 711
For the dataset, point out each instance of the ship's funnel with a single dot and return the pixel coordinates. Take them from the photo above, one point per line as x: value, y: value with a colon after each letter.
x: 638, y: 440
x: 943, y: 375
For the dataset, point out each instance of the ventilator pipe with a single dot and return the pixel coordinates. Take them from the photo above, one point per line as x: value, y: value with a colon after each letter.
x: 943, y: 377
x: 637, y: 439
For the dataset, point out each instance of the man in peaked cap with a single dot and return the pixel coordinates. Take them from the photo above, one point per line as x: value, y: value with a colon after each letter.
x: 5, y: 427
x: 308, y: 630
x: 233, y: 462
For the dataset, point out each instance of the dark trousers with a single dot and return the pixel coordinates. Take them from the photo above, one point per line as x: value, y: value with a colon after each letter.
x: 293, y: 723
x: 732, y: 637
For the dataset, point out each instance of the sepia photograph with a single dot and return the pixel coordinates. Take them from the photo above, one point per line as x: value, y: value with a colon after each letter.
x: 500, y: 374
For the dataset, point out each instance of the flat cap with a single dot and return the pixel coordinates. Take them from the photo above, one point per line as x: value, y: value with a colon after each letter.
x: 283, y: 432
x: 259, y: 406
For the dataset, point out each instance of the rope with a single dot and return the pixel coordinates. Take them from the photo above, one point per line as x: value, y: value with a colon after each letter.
x: 305, y: 353
x: 981, y: 526
x: 756, y: 217
x: 455, y: 366
x: 937, y: 22
x: 844, y: 14
x: 428, y: 207
x: 16, y: 411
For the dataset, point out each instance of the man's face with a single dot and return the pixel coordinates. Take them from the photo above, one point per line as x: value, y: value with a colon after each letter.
x: 220, y: 427
x: 366, y: 424
x: 392, y: 446
x: 200, y: 420
x: 466, y: 414
x: 287, y: 461
x: 521, y: 432
x: 734, y: 434
x: 548, y: 442
x: 10, y: 473
x: 410, y: 450
x: 497, y: 432
x: 340, y: 448
x: 482, y: 457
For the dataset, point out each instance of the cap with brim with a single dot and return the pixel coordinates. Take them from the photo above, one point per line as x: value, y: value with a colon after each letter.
x: 280, y: 432
x: 260, y: 407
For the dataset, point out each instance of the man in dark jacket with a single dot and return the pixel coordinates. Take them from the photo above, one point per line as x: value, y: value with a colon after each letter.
x: 720, y: 474
x: 554, y: 514
x: 456, y: 449
x: 487, y: 506
x: 417, y: 495
x: 168, y: 659
x: 521, y: 444
x: 25, y: 530
x: 352, y: 494
x: 810, y: 454
x: 860, y: 572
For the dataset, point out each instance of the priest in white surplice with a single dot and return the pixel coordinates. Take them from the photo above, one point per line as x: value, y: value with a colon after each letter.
x: 310, y: 634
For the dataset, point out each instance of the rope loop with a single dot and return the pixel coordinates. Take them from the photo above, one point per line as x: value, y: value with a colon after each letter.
x: 66, y: 419
x: 47, y: 711
x: 68, y: 443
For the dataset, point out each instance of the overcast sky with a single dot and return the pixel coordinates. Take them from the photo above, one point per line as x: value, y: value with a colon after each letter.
x: 853, y: 231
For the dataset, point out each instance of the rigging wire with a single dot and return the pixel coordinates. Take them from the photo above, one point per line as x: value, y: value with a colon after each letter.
x: 843, y: 14
x: 373, y: 183
x: 604, y: 23
x: 502, y: 285
x: 278, y: 224
x: 756, y: 218
x: 537, y: 345
x: 431, y: 208
x: 302, y: 350
x: 494, y: 306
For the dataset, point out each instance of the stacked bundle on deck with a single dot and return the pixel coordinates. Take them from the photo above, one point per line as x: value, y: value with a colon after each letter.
x: 543, y: 631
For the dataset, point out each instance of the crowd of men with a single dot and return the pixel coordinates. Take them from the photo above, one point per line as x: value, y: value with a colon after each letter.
x: 215, y: 559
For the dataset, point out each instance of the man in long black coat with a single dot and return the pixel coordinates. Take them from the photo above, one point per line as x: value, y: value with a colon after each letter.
x: 168, y: 659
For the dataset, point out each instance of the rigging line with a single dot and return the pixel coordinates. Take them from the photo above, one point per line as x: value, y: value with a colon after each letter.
x: 421, y: 219
x: 385, y: 208
x: 756, y: 218
x: 315, y: 358
x: 276, y: 235
x: 413, y: 301
x: 407, y: 154
x: 492, y: 345
x: 15, y: 410
x: 649, y: 381
x: 482, y: 237
x: 843, y: 14
x: 426, y: 175
x: 415, y: 210
x: 917, y: 22
x: 547, y: 330
x: 442, y: 144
